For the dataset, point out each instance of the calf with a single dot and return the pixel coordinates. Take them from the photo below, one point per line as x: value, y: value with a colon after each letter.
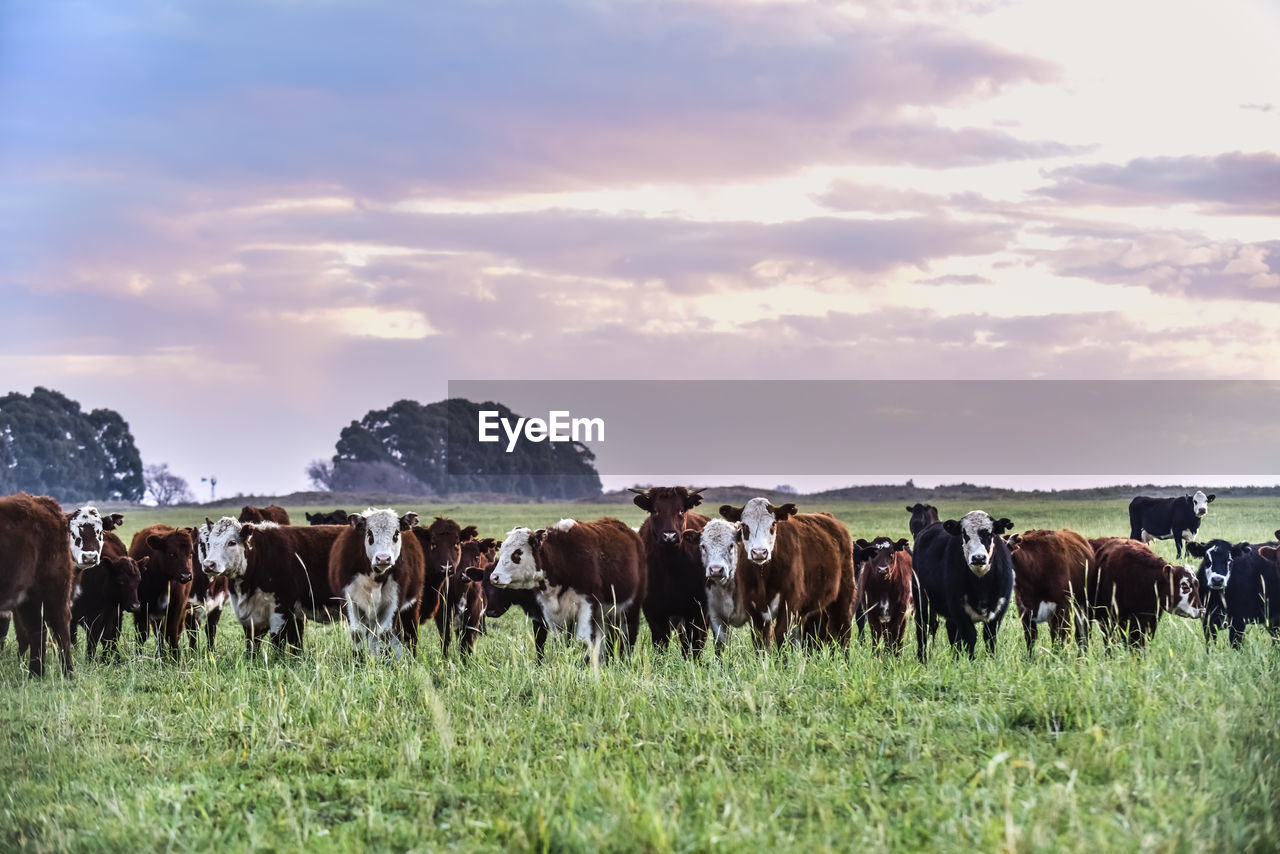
x: 1133, y: 586
x: 209, y: 593
x: 379, y: 573
x: 1162, y: 518
x: 270, y: 513
x: 964, y: 574
x: 441, y: 545
x: 676, y: 597
x: 464, y: 602
x: 1234, y: 582
x: 589, y: 579
x: 799, y: 569
x: 922, y: 516
x: 165, y: 585
x: 337, y: 517
x: 884, y: 590
x: 266, y: 583
x: 1051, y: 568
x: 106, y: 591
x: 40, y: 555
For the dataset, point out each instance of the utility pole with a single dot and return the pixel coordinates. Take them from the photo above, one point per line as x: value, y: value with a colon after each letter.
x: 212, y: 480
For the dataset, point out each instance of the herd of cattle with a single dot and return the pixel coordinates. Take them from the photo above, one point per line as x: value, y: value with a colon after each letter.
x: 791, y: 575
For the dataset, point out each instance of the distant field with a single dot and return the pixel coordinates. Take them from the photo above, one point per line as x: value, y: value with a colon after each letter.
x: 1178, y: 750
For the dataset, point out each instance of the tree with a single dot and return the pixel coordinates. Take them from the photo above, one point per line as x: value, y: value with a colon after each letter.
x: 320, y: 473
x: 166, y: 487
x: 52, y: 447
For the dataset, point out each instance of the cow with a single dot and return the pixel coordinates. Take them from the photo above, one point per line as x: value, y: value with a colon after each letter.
x: 922, y: 516
x: 465, y: 604
x: 1049, y: 584
x: 446, y: 583
x: 41, y: 548
x: 268, y: 586
x: 964, y: 575
x: 270, y: 513
x: 379, y: 574
x: 337, y: 517
x: 165, y: 585
x: 676, y: 596
x: 1133, y: 586
x: 884, y: 590
x: 589, y: 579
x: 209, y: 593
x: 1234, y: 581
x: 798, y: 570
x: 104, y: 592
x: 1162, y: 518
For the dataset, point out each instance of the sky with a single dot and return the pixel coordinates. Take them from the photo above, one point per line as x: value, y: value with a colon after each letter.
x: 243, y: 225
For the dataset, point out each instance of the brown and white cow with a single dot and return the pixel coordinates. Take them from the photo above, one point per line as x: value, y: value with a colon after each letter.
x: 798, y: 570
x: 1049, y: 584
x: 379, y: 573
x: 589, y: 579
x: 676, y: 599
x: 463, y: 609
x: 267, y: 584
x: 884, y: 590
x: 209, y: 593
x: 37, y: 571
x: 270, y: 513
x: 165, y: 585
x: 1134, y: 586
x: 441, y: 543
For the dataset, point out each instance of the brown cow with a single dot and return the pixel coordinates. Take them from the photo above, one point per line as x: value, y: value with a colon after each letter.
x: 589, y: 579
x: 270, y: 513
x: 465, y: 603
x: 312, y: 546
x: 676, y: 600
x: 1049, y: 583
x: 165, y: 585
x: 884, y: 590
x: 37, y: 571
x: 1134, y: 586
x: 800, y: 570
x: 379, y: 573
x: 445, y: 579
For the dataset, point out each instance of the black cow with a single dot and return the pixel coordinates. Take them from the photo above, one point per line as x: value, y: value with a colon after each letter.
x: 1233, y: 584
x: 922, y: 516
x: 1162, y: 518
x: 964, y: 574
x: 337, y: 517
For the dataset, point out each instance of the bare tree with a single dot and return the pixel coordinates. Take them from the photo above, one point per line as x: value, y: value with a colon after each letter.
x: 166, y: 487
x: 321, y: 474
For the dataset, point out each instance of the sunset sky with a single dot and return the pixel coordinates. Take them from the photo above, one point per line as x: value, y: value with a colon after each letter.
x: 242, y: 225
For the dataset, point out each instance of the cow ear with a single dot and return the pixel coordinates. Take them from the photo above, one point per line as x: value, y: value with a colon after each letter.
x: 489, y: 543
x: 861, y: 543
x: 536, y: 538
x: 643, y: 501
x: 901, y: 545
x: 469, y: 533
x: 731, y: 513
x: 1002, y: 525
x: 1209, y: 497
x: 356, y: 521
x: 952, y: 527
x: 112, y: 521
x: 1268, y: 553
x: 1241, y: 549
x: 143, y: 561
x: 246, y: 531
x: 474, y: 573
x: 690, y: 537
x: 408, y: 520
x: 156, y: 542
x: 693, y: 498
x: 783, y: 513
x: 911, y: 509
x: 1196, y: 549
x: 863, y: 553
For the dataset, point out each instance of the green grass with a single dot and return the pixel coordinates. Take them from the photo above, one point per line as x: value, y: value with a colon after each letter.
x: 1177, y: 750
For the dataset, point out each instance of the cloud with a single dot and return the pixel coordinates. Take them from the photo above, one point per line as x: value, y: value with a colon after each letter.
x: 1234, y: 183
x: 925, y: 144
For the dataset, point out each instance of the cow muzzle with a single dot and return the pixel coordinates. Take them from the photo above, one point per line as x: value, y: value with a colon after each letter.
x: 184, y: 578
x: 210, y: 567
x: 717, y: 573
x: 671, y: 536
x: 883, y: 571
x: 88, y: 559
x: 1217, y: 582
x: 382, y: 560
x: 133, y: 606
x: 979, y: 566
x: 759, y: 555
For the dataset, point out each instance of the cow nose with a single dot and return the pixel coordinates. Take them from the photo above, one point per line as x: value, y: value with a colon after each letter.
x: 715, y: 571
x: 382, y: 558
x: 884, y: 571
x: 977, y: 560
x: 209, y: 566
x: 759, y: 554
x: 670, y: 536
x: 184, y: 578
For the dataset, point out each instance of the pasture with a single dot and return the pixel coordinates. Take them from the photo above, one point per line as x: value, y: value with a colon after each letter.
x: 1176, y: 750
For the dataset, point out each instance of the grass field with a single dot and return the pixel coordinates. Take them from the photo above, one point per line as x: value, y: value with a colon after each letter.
x: 1177, y: 750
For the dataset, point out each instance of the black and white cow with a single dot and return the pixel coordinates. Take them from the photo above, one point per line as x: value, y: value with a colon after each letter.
x: 1162, y: 518
x: 964, y: 574
x: 1233, y: 586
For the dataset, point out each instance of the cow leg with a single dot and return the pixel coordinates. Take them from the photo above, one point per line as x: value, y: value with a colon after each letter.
x: 989, y: 637
x: 30, y: 626
x: 963, y: 632
x: 92, y: 634
x: 922, y: 635
x: 5, y: 619
x: 142, y: 627
x: 1235, y: 632
x: 1030, y: 631
x: 211, y: 626
x: 443, y: 619
x: 660, y: 631
x: 697, y: 632
x: 408, y: 629
x: 539, y: 641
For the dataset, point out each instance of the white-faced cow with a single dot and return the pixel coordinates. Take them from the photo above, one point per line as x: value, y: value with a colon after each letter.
x: 676, y: 600
x: 1162, y: 518
x: 964, y: 575
x: 209, y: 593
x: 379, y: 572
x: 1234, y: 587
x: 589, y: 578
x: 797, y: 570
x: 1134, y: 586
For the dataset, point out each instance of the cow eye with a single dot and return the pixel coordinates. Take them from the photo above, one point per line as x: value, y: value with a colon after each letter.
x: 395, y: 536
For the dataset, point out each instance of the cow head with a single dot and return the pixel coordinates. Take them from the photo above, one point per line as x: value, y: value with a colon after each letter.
x: 84, y: 531
x: 443, y: 546
x: 879, y: 553
x: 667, y: 506
x: 174, y: 551
x: 111, y: 521
x: 1216, y: 557
x: 1200, y: 502
x: 517, y: 565
x: 125, y: 574
x: 977, y: 532
x: 718, y: 547
x: 759, y: 520
x: 1184, y: 592
x: 1271, y: 553
x: 380, y: 531
x: 224, y: 545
